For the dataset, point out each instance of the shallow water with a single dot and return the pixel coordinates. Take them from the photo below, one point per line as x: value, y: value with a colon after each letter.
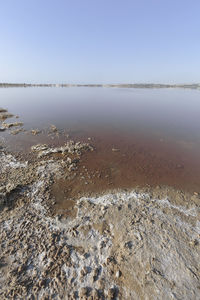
x: 164, y: 112
x: 157, y: 131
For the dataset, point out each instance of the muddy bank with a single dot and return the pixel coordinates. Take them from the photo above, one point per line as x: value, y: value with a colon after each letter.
x: 125, y: 244
x: 122, y: 159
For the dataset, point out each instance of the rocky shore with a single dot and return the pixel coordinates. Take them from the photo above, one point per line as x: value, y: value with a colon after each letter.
x: 125, y: 244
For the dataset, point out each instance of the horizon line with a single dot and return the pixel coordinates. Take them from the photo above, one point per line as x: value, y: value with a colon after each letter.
x: 99, y: 84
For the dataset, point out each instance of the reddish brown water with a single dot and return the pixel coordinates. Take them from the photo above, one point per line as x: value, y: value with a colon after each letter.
x: 156, y: 134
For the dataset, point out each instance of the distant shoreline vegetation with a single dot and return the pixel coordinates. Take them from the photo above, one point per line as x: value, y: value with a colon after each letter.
x: 134, y: 85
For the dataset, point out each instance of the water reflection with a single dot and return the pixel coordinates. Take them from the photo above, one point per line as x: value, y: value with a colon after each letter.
x: 157, y: 130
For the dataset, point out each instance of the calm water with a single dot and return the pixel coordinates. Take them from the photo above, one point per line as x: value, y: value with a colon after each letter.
x: 173, y: 112
x: 156, y: 130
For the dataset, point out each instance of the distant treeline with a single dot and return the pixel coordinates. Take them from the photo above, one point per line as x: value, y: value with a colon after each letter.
x: 134, y: 85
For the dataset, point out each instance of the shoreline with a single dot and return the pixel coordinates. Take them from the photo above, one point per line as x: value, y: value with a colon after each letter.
x: 122, y: 245
x: 134, y: 85
x: 68, y: 232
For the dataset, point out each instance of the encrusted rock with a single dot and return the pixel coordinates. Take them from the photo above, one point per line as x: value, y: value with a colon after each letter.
x: 70, y: 147
x: 35, y: 131
x: 2, y: 110
x: 53, y: 128
x: 5, y: 115
x: 16, y: 131
x: 9, y: 125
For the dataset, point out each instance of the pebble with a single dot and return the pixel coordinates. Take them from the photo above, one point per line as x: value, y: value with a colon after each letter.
x: 118, y: 274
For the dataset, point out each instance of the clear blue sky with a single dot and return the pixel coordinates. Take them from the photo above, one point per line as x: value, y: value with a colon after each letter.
x: 105, y: 41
